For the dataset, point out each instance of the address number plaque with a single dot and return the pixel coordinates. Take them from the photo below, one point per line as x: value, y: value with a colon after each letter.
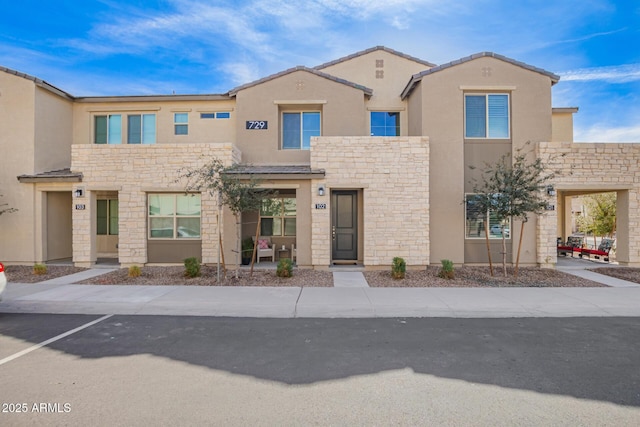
x: 257, y: 124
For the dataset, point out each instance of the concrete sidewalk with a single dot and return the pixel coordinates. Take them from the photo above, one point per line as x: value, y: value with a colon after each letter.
x: 350, y: 297
x: 321, y: 302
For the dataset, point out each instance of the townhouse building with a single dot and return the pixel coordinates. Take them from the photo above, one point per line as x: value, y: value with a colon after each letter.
x: 370, y: 155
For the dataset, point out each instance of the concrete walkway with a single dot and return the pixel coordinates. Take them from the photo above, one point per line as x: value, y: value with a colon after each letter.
x: 350, y: 297
x: 349, y: 279
x: 321, y: 302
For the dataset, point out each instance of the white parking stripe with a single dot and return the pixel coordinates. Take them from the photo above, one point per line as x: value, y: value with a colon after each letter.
x: 54, y: 339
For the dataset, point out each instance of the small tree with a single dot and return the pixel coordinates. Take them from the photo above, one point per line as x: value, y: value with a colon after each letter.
x: 600, y: 215
x: 513, y: 188
x: 237, y: 194
x: 4, y: 209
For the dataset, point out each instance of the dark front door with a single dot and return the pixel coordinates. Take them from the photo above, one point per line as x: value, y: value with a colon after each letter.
x: 344, y: 225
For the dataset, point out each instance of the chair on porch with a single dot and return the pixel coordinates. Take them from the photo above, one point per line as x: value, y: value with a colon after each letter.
x: 265, y: 248
x: 603, y: 250
x: 574, y: 244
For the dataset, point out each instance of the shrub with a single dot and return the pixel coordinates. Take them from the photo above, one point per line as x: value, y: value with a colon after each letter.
x: 446, y: 272
x: 39, y: 269
x: 285, y: 268
x: 192, y: 267
x: 135, y: 271
x: 398, y: 268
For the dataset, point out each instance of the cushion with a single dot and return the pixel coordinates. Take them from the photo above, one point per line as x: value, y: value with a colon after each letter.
x: 263, y: 244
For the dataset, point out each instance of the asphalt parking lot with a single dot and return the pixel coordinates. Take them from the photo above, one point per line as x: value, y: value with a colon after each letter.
x: 233, y: 371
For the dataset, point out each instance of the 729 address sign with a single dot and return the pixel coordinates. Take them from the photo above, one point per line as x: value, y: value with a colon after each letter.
x: 257, y: 124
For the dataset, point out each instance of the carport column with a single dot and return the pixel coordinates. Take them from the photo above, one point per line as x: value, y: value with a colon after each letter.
x: 84, y: 229
x: 622, y: 227
x: 547, y: 232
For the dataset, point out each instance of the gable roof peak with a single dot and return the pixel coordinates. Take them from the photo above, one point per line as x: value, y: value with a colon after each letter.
x: 418, y: 77
x: 374, y: 49
x: 318, y: 73
x: 38, y: 82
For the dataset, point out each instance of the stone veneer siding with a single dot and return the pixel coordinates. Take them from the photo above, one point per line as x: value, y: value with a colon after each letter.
x: 133, y: 171
x: 393, y: 173
x: 598, y: 167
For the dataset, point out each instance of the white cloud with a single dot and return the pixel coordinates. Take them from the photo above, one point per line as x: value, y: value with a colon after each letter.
x: 602, y: 133
x: 241, y: 72
x: 611, y: 74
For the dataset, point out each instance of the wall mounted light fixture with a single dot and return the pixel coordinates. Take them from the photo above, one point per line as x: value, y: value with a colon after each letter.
x: 79, y: 192
x: 550, y: 190
x: 321, y: 190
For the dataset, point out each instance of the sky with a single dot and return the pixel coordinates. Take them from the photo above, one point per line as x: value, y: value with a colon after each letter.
x: 136, y: 47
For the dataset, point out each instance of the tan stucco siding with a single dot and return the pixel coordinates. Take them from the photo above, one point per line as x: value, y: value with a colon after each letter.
x: 442, y: 95
x: 134, y: 171
x: 17, y: 115
x: 199, y: 130
x: 393, y: 174
x: 342, y: 113
x: 595, y: 167
x: 562, y: 126
x: 387, y: 74
x: 53, y: 131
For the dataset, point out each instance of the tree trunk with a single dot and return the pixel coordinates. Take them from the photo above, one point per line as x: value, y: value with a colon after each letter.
x: 515, y: 272
x: 238, y: 235
x: 255, y: 246
x: 486, y: 236
x: 504, y: 253
x: 224, y: 266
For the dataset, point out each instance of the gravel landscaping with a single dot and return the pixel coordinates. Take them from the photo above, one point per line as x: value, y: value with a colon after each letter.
x: 624, y: 273
x: 24, y: 273
x: 464, y: 277
x: 480, y: 277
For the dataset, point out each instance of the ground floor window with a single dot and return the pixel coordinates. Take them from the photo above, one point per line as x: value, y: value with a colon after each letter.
x: 278, y: 217
x: 476, y: 218
x: 107, y: 211
x: 174, y: 216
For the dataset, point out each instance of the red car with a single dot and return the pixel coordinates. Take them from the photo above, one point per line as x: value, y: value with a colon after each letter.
x: 3, y: 280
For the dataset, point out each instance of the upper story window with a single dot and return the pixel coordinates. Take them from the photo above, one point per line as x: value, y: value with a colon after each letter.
x: 385, y: 123
x: 218, y: 115
x: 141, y: 129
x: 107, y: 129
x: 181, y: 123
x: 486, y: 116
x: 298, y: 128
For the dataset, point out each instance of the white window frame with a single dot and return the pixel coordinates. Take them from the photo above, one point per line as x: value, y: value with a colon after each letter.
x: 176, y: 123
x: 109, y: 134
x: 301, y: 114
x: 174, y: 217
x: 282, y: 217
x: 142, y: 116
x: 486, y: 115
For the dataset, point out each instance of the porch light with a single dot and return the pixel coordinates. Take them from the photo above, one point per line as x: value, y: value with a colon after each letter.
x: 78, y: 193
x: 550, y: 190
x: 321, y: 190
